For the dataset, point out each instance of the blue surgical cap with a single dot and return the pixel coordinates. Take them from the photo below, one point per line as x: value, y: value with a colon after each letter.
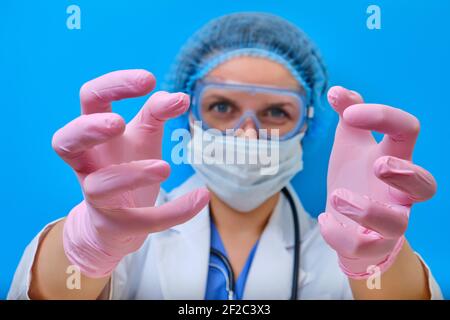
x: 260, y: 35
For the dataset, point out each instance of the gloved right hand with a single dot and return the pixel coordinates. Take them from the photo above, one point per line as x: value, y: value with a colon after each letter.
x: 371, y: 185
x: 119, y: 168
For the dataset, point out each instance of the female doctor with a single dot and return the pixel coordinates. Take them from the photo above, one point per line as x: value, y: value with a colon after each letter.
x: 231, y: 232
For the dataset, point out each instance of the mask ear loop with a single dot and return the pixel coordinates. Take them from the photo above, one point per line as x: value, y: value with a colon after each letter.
x: 309, y: 117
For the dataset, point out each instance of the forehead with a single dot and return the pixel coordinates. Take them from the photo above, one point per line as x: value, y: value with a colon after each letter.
x: 255, y: 70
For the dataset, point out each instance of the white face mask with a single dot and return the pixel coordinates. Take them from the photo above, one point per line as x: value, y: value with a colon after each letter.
x: 244, y: 187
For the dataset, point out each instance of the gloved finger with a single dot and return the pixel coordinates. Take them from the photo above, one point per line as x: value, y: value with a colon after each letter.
x: 96, y: 95
x: 73, y: 141
x: 400, y: 127
x: 340, y: 99
x: 160, y: 107
x: 351, y: 240
x: 390, y: 221
x: 108, y: 182
x: 413, y: 182
x: 154, y: 219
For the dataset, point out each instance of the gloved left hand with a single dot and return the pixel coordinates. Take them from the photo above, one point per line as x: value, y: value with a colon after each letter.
x: 371, y: 186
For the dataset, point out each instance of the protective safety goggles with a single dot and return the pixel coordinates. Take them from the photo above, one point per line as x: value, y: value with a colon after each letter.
x: 225, y: 106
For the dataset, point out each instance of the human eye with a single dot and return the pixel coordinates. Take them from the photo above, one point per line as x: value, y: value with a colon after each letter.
x: 221, y: 108
x: 276, y: 113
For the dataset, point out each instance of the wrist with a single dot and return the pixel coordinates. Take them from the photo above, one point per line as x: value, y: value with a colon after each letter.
x: 85, y: 247
x: 362, y: 268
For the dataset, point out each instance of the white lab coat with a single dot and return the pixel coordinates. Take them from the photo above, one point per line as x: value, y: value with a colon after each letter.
x: 173, y: 264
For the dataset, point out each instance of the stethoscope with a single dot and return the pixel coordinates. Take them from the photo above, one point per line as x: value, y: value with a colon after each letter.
x: 229, y: 275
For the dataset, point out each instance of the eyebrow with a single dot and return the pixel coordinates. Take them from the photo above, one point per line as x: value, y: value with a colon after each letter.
x: 234, y: 103
x: 222, y: 97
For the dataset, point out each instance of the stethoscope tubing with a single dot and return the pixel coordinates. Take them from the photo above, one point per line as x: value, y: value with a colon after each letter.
x: 296, y: 264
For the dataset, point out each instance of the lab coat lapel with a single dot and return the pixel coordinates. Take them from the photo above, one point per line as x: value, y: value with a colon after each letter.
x: 182, y: 258
x: 270, y: 275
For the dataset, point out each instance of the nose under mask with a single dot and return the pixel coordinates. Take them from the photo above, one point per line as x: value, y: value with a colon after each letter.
x: 244, y: 185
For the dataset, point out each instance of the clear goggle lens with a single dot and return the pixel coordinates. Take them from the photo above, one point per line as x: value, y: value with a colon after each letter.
x: 226, y: 106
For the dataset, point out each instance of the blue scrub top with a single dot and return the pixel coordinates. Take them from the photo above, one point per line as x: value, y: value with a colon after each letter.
x: 216, y: 286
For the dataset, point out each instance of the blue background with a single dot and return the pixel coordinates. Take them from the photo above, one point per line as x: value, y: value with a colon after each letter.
x: 43, y: 64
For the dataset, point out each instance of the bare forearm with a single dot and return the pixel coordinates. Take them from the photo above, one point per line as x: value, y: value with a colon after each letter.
x: 49, y: 272
x: 406, y: 279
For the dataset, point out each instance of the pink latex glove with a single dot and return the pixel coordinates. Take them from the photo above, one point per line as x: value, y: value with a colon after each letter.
x: 371, y: 186
x: 119, y: 168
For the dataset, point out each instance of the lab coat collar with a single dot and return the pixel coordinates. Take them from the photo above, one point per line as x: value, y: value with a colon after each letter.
x: 272, y: 261
x: 183, y: 253
x: 182, y: 259
x: 274, y: 257
x: 199, y: 221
